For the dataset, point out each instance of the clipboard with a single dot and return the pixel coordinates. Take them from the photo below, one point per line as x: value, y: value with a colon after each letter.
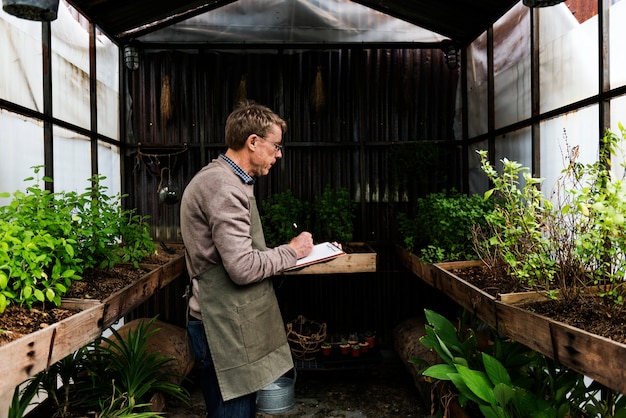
x: 321, y: 252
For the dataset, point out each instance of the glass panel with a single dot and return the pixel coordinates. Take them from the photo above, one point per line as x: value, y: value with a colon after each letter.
x: 618, y: 115
x: 568, y: 57
x: 477, y: 86
x: 516, y: 146
x: 109, y: 166
x: 617, y: 43
x: 18, y: 134
x: 70, y: 69
x: 478, y: 181
x: 561, y: 136
x: 72, y: 163
x: 107, y: 75
x: 512, y: 66
x: 20, y: 62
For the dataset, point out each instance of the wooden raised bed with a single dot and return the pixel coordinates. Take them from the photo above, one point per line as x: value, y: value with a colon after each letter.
x: 596, y: 357
x: 360, y: 258
x: 125, y: 300
x: 33, y: 353
x: 441, y: 277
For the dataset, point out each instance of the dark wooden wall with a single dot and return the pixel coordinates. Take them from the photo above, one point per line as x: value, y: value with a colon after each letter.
x: 381, y: 125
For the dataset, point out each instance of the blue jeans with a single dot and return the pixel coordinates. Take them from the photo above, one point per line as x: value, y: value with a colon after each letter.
x: 243, y: 407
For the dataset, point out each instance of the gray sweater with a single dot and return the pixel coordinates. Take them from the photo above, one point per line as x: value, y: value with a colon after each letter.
x: 215, y: 227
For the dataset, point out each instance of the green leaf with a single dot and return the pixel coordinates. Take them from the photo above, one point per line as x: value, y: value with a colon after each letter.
x: 440, y: 371
x: 478, y: 383
x: 495, y: 370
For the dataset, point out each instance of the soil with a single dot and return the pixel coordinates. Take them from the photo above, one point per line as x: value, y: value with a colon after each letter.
x: 97, y: 284
x: 593, y: 314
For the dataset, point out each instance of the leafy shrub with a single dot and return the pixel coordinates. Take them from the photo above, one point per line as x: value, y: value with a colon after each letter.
x: 442, y: 227
x: 280, y: 212
x: 47, y: 240
x: 329, y: 218
x: 333, y: 214
x: 115, y: 376
x: 574, y: 239
x: 507, y: 379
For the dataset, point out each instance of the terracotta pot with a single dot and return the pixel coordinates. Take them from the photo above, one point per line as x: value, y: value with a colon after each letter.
x: 364, y: 347
x: 326, y: 350
x: 345, y: 348
x: 356, y: 350
x: 371, y: 340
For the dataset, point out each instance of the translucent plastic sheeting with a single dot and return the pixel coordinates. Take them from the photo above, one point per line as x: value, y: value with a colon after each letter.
x: 21, y: 83
x: 21, y: 140
x: 568, y: 73
x: 305, y: 21
x: 21, y: 71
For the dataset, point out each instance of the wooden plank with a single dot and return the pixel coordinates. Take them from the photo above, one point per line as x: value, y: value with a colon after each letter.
x: 599, y: 358
x: 526, y: 327
x: 415, y: 265
x: 73, y: 334
x: 354, y: 262
x: 128, y: 298
x: 470, y: 297
x: 172, y: 271
x: 25, y: 357
x: 33, y: 353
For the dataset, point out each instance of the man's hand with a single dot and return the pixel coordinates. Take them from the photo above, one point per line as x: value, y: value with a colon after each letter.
x: 302, y: 244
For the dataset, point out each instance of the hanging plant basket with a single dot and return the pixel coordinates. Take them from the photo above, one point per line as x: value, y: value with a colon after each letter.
x: 541, y: 3
x: 305, y: 337
x: 39, y: 10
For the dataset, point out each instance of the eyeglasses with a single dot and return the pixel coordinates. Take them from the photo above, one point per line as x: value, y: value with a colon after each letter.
x: 277, y: 147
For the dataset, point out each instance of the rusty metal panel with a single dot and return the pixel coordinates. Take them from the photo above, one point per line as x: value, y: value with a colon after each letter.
x: 375, y: 121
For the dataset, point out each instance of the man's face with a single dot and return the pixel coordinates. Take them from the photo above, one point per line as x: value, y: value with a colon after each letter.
x: 267, y: 151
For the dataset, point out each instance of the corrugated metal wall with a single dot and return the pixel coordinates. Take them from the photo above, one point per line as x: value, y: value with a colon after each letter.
x: 375, y: 121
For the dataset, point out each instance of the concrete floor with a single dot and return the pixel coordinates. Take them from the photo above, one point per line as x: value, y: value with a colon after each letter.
x: 382, y: 390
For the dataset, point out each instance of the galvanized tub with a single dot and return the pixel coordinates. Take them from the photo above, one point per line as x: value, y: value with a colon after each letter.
x: 277, y: 397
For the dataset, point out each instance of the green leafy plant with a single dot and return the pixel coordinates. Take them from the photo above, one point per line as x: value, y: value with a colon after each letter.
x: 39, y: 255
x: 573, y: 240
x: 508, y: 381
x: 47, y: 240
x: 122, y: 372
x: 516, y: 241
x: 442, y: 228
x: 333, y: 214
x: 107, y: 233
x: 115, y: 376
x: 280, y: 212
x: 329, y: 218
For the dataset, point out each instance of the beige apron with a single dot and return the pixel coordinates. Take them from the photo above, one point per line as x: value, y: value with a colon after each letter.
x: 243, y: 326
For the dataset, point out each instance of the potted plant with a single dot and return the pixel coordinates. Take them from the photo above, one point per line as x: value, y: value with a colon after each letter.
x: 355, y: 350
x: 344, y: 347
x: 370, y: 338
x: 326, y: 348
x: 329, y: 218
x: 364, y: 345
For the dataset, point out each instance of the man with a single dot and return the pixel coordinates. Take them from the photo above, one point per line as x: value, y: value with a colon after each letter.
x: 235, y: 326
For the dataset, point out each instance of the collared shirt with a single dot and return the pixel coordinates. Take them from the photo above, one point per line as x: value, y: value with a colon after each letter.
x: 245, y: 177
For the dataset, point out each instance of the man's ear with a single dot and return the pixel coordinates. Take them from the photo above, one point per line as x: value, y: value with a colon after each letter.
x: 251, y: 142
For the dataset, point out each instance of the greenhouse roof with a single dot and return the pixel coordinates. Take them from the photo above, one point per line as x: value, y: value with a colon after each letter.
x: 440, y: 20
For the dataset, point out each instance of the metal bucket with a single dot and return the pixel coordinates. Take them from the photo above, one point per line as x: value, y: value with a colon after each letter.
x: 278, y: 397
